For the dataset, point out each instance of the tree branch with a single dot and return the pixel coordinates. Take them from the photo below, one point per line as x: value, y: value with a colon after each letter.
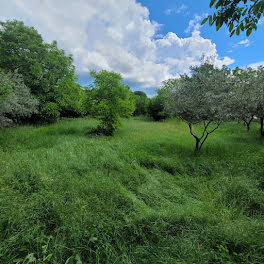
x: 190, y: 126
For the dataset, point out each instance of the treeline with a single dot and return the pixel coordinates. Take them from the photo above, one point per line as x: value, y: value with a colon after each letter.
x: 38, y: 84
x: 37, y: 79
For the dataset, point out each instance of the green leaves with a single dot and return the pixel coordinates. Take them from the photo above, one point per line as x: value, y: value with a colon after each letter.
x: 238, y: 31
x: 249, y: 31
x: 16, y: 102
x: 236, y: 15
x: 212, y: 2
x: 231, y: 26
x: 111, y: 100
x: 204, y: 20
x: 43, y: 66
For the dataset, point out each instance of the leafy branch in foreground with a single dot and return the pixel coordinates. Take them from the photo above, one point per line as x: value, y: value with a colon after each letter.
x: 238, y: 15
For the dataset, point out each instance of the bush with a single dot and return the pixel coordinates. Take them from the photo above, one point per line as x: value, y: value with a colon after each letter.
x: 156, y: 108
x: 49, y: 112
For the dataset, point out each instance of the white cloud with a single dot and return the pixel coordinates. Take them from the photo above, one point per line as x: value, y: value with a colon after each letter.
x: 176, y: 10
x: 256, y: 64
x: 244, y: 42
x: 194, y: 24
x: 261, y: 21
x: 114, y: 35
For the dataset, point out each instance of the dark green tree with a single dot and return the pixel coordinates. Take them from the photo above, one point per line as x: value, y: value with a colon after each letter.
x: 141, y: 102
x: 238, y: 15
x: 157, y: 104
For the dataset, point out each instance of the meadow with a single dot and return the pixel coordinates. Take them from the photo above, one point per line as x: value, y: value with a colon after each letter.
x: 142, y: 196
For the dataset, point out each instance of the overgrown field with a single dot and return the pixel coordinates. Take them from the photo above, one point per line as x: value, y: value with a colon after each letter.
x: 142, y: 196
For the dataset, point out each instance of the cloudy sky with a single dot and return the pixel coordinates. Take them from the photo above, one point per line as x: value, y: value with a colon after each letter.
x: 147, y: 41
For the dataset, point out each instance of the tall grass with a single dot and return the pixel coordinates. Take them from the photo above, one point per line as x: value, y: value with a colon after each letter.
x: 142, y: 196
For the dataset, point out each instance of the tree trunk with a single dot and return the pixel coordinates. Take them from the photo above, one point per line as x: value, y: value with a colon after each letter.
x: 248, y: 127
x: 197, y: 145
x: 261, y: 126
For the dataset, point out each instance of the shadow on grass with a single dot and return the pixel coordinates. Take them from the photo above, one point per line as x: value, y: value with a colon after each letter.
x: 254, y: 139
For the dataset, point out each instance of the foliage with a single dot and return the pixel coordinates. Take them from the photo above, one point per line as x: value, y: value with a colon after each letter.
x: 70, y: 98
x: 141, y: 103
x: 16, y: 101
x: 157, y: 104
x: 156, y: 108
x: 244, y: 96
x: 49, y: 112
x: 140, y: 197
x: 110, y: 100
x: 46, y: 69
x: 260, y: 98
x: 238, y: 15
x: 201, y: 98
x: 5, y: 86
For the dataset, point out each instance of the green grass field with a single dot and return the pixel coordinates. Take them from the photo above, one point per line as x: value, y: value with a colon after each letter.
x: 142, y: 196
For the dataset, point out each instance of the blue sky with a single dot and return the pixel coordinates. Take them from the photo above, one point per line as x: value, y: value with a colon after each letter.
x: 146, y: 41
x: 175, y: 16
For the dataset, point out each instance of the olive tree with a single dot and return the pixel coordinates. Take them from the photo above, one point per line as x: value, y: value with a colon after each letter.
x: 260, y: 97
x: 244, y: 95
x: 18, y: 103
x: 110, y: 100
x: 201, y: 98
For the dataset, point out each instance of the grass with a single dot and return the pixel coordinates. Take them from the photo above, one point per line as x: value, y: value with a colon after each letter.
x: 141, y: 197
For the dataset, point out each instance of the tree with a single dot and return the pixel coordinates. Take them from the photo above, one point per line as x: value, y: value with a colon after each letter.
x: 156, y: 108
x: 70, y: 98
x: 110, y: 100
x: 44, y: 67
x: 18, y: 103
x: 201, y: 98
x: 157, y: 104
x: 141, y: 103
x: 238, y: 15
x: 244, y: 95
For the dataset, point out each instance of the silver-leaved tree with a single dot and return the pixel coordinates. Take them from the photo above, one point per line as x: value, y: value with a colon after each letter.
x: 244, y: 95
x: 201, y: 98
x: 260, y: 97
x: 16, y: 102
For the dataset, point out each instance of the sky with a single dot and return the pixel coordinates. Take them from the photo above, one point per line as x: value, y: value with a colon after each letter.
x: 146, y: 41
